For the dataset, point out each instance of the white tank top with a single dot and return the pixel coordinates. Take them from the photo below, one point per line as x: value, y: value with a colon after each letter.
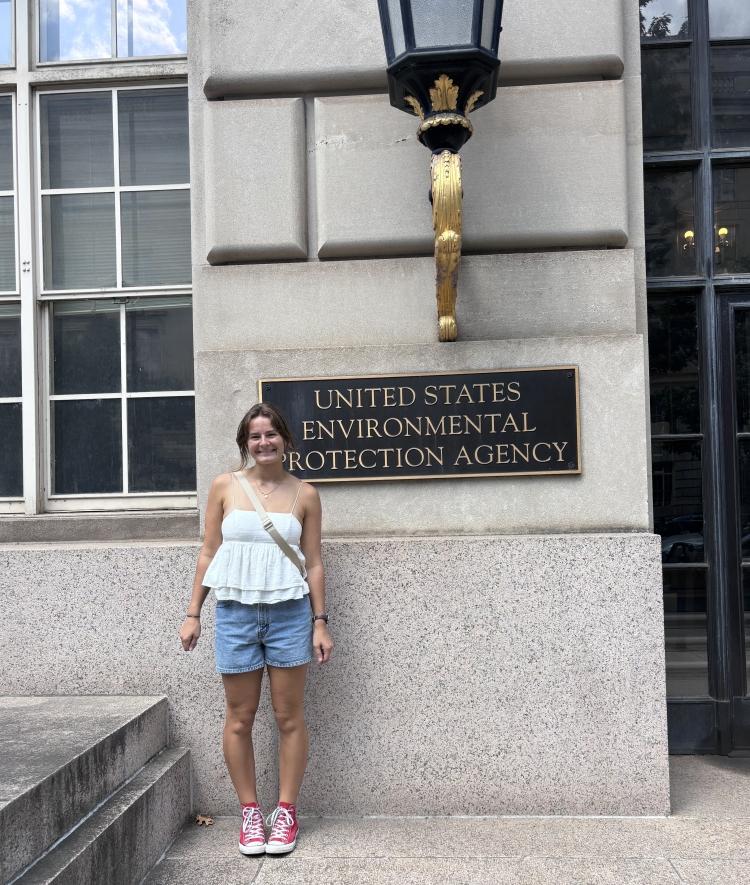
x: 249, y: 566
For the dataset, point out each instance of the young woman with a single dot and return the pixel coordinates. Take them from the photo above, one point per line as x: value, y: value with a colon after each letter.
x: 270, y: 612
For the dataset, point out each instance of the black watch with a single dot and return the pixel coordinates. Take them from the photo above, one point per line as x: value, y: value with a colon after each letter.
x: 323, y: 616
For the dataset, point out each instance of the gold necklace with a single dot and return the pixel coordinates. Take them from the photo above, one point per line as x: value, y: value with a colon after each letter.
x: 267, y: 494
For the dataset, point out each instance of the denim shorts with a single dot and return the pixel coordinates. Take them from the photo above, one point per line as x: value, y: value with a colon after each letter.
x: 250, y: 636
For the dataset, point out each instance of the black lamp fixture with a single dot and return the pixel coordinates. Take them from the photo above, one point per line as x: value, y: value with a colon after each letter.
x: 442, y: 65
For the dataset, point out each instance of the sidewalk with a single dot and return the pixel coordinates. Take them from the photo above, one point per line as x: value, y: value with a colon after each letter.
x: 706, y: 841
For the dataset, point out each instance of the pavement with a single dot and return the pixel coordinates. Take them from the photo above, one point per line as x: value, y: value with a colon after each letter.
x: 705, y: 841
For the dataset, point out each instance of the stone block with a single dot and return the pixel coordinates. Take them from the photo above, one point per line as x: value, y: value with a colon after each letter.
x: 516, y: 648
x: 546, y: 168
x: 610, y: 494
x: 254, y: 162
x: 392, y: 301
x: 340, y: 45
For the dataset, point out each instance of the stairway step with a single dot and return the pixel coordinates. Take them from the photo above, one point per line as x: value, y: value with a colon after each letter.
x: 125, y: 837
x: 62, y: 756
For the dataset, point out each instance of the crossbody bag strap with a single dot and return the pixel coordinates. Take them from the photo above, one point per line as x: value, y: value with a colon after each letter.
x: 268, y: 525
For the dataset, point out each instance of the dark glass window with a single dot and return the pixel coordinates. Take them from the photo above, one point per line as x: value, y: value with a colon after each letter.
x: 670, y: 222
x: 87, y: 446
x: 730, y: 96
x: 678, y: 499
x: 685, y: 632
x: 160, y: 345
x: 732, y: 219
x: 86, y: 347
x: 667, y: 113
x: 673, y: 359
x: 11, y: 447
x: 161, y: 444
x: 10, y: 350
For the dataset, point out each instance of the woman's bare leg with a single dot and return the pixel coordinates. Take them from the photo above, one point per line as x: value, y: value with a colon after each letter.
x: 288, y: 699
x: 242, y: 692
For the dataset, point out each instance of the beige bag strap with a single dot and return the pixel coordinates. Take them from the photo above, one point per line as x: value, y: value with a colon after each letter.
x: 268, y: 525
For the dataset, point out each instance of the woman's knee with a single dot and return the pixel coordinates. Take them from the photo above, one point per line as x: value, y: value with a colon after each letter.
x: 289, y: 718
x: 240, y: 719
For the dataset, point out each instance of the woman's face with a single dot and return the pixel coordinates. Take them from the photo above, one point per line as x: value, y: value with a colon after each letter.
x: 265, y: 443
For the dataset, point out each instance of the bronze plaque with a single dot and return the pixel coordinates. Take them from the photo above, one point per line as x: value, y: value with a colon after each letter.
x: 514, y: 422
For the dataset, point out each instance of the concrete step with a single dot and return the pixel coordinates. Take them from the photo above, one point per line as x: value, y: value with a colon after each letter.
x: 125, y: 837
x: 62, y: 756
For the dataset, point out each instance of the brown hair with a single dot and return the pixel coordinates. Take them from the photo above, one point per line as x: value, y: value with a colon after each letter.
x: 278, y: 422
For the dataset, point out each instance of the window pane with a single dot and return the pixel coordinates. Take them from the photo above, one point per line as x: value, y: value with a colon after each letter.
x: 7, y: 245
x: 6, y: 32
x: 685, y: 632
x: 664, y: 18
x: 10, y: 350
x: 74, y: 30
x: 746, y: 600
x: 451, y: 26
x: 670, y: 222
x: 76, y: 140
x: 160, y: 345
x: 161, y: 444
x: 153, y: 126
x: 151, y: 27
x: 87, y: 446
x: 732, y: 219
x: 489, y: 32
x: 673, y: 361
x: 79, y: 241
x: 667, y: 117
x: 743, y: 470
x: 85, y: 347
x: 11, y: 451
x: 397, y: 29
x: 729, y: 18
x: 742, y: 368
x: 678, y: 500
x: 730, y: 84
x: 6, y: 143
x: 155, y: 238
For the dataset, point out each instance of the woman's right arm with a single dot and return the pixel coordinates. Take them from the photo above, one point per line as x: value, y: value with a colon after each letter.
x: 191, y: 627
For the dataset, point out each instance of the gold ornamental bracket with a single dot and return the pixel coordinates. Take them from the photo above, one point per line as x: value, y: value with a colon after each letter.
x: 444, y: 124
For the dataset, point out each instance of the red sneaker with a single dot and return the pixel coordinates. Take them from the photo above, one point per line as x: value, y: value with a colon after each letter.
x: 284, y: 830
x: 252, y: 831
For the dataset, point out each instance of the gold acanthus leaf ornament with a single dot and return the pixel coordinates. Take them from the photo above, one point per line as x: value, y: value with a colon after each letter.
x: 444, y: 96
x: 415, y: 106
x: 473, y: 99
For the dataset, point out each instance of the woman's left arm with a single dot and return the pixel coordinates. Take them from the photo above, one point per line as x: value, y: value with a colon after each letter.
x: 310, y: 543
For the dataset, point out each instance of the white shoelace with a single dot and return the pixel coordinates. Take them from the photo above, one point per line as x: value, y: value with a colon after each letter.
x: 252, y: 824
x: 281, y: 822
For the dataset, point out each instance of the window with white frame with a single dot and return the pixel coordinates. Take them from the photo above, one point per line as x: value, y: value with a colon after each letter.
x: 115, y: 200
x: 87, y: 30
x: 114, y: 208
x: 11, y: 463
x: 6, y: 33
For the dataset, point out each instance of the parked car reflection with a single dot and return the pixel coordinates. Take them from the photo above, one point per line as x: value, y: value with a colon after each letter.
x: 682, y: 539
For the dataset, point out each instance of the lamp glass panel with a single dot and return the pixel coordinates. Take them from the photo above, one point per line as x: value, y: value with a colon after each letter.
x: 76, y: 140
x: 6, y: 32
x: 670, y: 222
x: 664, y: 18
x: 489, y: 32
x: 667, y: 117
x: 442, y: 24
x: 6, y: 143
x: 153, y: 136
x: 397, y: 27
x: 75, y: 31
x: 731, y: 219
x: 729, y: 18
x: 730, y: 96
x: 154, y: 28
x: 11, y: 451
x: 79, y: 241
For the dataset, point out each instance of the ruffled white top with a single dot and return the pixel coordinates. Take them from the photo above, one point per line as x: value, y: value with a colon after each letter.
x: 250, y: 567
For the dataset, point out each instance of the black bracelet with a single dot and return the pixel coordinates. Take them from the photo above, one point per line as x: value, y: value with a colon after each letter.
x: 193, y: 616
